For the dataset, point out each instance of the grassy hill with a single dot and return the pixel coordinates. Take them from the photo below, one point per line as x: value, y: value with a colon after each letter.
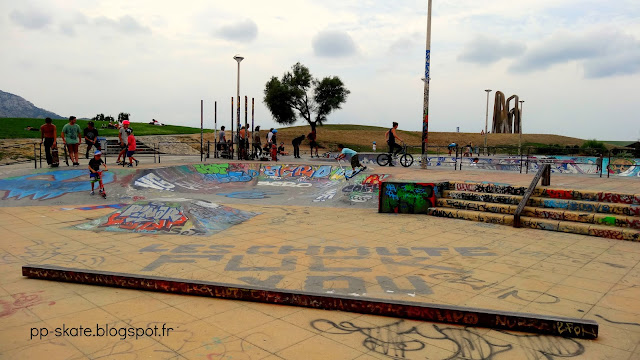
x: 358, y: 137
x: 361, y: 137
x: 14, y: 128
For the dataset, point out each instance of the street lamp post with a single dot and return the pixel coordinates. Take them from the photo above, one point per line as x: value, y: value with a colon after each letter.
x: 520, y: 128
x: 425, y: 110
x: 238, y: 58
x: 486, y: 121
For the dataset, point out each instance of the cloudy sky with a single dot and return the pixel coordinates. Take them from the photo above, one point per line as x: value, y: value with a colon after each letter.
x: 575, y: 63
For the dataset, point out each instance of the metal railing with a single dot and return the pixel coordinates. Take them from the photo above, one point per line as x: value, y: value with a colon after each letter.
x: 544, y: 173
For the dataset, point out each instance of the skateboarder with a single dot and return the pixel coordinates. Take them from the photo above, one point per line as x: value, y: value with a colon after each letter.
x: 355, y: 162
x: 95, y: 173
x: 48, y: 135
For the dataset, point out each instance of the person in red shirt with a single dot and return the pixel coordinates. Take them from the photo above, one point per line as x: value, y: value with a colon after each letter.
x: 48, y: 134
x: 131, y: 147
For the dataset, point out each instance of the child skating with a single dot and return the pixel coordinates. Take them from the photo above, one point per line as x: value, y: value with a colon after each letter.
x: 131, y: 147
x: 356, y: 167
x: 96, y: 174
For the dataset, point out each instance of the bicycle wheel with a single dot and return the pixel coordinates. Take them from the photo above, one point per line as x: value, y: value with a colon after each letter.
x: 406, y: 160
x: 383, y: 159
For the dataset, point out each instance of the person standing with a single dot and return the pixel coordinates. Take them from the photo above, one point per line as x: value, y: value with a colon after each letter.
x: 270, y: 138
x: 131, y: 147
x: 312, y: 142
x: 48, y: 135
x: 391, y: 137
x: 122, y: 136
x: 257, y: 142
x: 242, y: 142
x: 296, y: 146
x: 71, y: 138
x: 91, y: 138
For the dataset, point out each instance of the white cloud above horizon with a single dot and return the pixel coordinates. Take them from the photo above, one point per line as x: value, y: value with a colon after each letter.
x: 576, y: 70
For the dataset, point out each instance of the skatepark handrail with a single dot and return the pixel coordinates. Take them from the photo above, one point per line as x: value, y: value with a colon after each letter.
x: 545, y: 171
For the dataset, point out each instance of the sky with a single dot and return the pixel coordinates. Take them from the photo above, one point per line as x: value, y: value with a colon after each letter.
x: 575, y: 63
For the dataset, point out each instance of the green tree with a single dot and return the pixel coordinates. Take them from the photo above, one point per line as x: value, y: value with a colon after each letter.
x: 108, y: 118
x: 594, y: 147
x: 123, y: 116
x: 298, y: 94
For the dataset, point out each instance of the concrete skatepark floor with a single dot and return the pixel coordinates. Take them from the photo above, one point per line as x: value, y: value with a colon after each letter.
x: 327, y: 237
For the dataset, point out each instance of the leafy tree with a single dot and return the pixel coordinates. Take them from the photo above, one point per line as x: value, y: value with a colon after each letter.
x: 594, y: 146
x: 98, y: 117
x: 123, y: 116
x: 298, y: 94
x: 108, y: 118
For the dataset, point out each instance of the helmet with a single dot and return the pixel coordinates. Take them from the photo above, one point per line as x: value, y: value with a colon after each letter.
x: 126, y: 122
x: 275, y: 131
x: 97, y: 152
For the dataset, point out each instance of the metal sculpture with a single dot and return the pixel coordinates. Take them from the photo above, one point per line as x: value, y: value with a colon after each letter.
x: 506, y: 119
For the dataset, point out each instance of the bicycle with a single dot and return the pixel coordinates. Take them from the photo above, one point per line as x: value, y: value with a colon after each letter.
x: 385, y: 159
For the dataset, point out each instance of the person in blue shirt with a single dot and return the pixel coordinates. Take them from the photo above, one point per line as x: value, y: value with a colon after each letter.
x: 355, y: 162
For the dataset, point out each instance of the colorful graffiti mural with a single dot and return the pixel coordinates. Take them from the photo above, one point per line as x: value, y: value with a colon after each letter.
x: 49, y: 185
x: 407, y: 198
x: 178, y: 218
x: 195, y: 178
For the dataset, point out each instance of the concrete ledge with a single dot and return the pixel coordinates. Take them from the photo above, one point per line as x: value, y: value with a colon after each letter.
x: 484, y: 197
x: 493, y: 319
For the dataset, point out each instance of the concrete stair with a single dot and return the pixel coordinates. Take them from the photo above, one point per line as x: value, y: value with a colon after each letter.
x: 606, y: 214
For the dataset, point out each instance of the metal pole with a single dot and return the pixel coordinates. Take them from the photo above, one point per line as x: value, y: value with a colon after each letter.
x: 230, y: 149
x: 486, y: 121
x: 245, y: 144
x: 425, y: 112
x: 238, y: 58
x: 252, y: 122
x: 520, y: 127
x: 215, y: 129
x: 201, y: 128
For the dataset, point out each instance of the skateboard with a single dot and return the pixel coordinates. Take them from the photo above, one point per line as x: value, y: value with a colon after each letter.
x: 55, y: 157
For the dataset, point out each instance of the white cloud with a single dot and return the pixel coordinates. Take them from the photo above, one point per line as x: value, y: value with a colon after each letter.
x: 333, y: 43
x: 32, y: 19
x: 244, y: 30
x: 485, y: 50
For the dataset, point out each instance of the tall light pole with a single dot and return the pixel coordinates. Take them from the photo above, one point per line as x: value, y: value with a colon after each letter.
x: 425, y: 110
x: 520, y: 128
x: 486, y: 121
x: 238, y: 58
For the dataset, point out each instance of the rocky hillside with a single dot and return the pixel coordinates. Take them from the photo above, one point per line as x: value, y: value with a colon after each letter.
x: 14, y: 106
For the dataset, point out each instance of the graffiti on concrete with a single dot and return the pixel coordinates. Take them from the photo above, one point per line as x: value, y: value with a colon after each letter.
x: 49, y: 185
x: 178, y: 217
x: 250, y: 194
x: 21, y: 301
x: 407, y: 198
x: 400, y: 340
x: 195, y: 179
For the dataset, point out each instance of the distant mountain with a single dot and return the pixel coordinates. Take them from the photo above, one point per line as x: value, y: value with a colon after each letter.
x: 14, y: 106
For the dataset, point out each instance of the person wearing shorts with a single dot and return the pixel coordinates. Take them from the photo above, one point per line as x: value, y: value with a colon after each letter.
x: 131, y: 147
x: 71, y: 138
x: 94, y: 168
x: 122, y: 136
x: 355, y: 161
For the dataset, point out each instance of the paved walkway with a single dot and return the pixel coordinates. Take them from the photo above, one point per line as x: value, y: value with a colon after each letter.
x: 297, y: 245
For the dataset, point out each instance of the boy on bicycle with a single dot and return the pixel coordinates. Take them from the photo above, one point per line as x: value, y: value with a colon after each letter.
x: 95, y: 173
x: 355, y: 162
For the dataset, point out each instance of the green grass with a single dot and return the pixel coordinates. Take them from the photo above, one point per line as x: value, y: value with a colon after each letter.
x: 14, y: 128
